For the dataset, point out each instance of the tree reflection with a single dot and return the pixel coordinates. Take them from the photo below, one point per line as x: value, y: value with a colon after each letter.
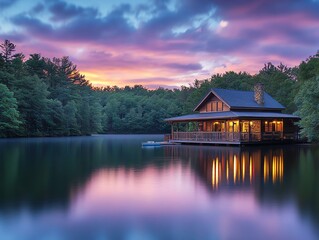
x: 41, y: 173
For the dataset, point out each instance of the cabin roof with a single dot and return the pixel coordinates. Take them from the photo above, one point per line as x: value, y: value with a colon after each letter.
x: 231, y: 115
x: 236, y: 99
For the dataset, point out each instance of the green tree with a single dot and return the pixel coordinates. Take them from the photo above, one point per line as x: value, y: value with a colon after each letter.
x: 309, y: 69
x: 307, y: 101
x: 71, y: 127
x: 9, y: 114
x: 32, y: 94
x: 36, y: 65
x: 280, y: 83
x: 7, y: 48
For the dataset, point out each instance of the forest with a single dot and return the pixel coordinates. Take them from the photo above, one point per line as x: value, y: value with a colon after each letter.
x: 50, y: 97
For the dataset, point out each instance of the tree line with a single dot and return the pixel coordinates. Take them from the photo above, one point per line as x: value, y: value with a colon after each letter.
x: 50, y: 97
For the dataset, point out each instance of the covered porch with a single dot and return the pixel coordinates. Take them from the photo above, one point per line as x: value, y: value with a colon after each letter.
x: 234, y: 131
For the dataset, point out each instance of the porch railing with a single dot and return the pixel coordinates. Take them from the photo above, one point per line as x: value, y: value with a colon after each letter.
x: 231, y: 136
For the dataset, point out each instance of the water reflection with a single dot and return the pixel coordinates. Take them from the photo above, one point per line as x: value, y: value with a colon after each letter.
x: 244, y: 167
x: 225, y: 167
x: 108, y: 187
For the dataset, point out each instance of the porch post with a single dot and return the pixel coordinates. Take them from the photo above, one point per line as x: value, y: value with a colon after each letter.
x: 240, y: 129
x: 172, y: 130
x: 249, y: 131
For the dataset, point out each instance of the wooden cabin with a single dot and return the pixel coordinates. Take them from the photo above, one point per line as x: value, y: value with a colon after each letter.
x: 235, y: 117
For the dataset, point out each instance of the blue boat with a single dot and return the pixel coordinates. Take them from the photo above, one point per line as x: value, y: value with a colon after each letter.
x: 155, y: 144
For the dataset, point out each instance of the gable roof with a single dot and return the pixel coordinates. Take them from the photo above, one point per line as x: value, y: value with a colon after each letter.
x: 236, y: 99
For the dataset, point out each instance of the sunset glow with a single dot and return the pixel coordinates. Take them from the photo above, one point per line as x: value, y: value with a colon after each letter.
x: 163, y: 43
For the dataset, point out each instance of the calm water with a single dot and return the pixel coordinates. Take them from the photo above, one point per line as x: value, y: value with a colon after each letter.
x: 108, y: 187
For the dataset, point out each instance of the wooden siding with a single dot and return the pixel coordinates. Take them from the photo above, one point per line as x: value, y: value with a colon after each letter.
x: 214, y: 106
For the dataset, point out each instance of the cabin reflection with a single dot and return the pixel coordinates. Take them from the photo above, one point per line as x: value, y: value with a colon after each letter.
x: 244, y: 167
x: 222, y: 167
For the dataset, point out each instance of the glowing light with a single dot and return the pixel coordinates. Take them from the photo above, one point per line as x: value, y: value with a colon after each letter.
x: 227, y: 171
x: 277, y: 169
x: 215, y: 173
x: 250, y: 169
x: 243, y: 168
x: 235, y: 168
x: 266, y: 169
x: 223, y: 24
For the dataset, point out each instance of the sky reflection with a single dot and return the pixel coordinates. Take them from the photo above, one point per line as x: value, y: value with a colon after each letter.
x: 152, y: 191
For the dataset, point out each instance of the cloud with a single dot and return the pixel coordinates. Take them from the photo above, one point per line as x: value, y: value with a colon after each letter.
x: 62, y: 11
x: 184, y: 67
x: 265, y: 8
x: 7, y: 3
x: 13, y: 36
x: 39, y: 8
x: 171, y: 39
x: 33, y: 26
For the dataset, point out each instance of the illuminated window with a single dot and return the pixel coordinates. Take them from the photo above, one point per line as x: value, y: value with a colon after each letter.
x: 279, y: 126
x: 217, y: 127
x: 273, y: 126
x: 245, y: 126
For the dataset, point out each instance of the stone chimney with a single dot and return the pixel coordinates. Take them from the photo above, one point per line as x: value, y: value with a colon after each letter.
x: 259, y: 93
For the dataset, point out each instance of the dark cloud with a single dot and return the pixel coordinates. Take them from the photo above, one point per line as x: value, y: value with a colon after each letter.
x: 185, y: 14
x: 111, y: 28
x: 265, y: 8
x: 38, y: 8
x: 86, y: 25
x: 62, y: 11
x: 7, y: 3
x: 33, y: 26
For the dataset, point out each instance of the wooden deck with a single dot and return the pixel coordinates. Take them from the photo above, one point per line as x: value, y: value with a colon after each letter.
x: 232, y: 138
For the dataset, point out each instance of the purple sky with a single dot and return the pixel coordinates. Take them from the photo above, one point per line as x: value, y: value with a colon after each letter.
x: 163, y: 43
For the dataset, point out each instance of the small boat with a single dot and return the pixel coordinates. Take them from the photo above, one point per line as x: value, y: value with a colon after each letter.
x: 155, y: 144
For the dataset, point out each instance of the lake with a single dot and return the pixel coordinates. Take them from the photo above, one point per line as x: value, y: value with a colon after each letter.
x: 109, y: 187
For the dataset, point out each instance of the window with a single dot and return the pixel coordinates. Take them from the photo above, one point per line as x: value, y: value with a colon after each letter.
x: 273, y: 126
x: 219, y: 106
x: 245, y: 126
x: 217, y: 127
